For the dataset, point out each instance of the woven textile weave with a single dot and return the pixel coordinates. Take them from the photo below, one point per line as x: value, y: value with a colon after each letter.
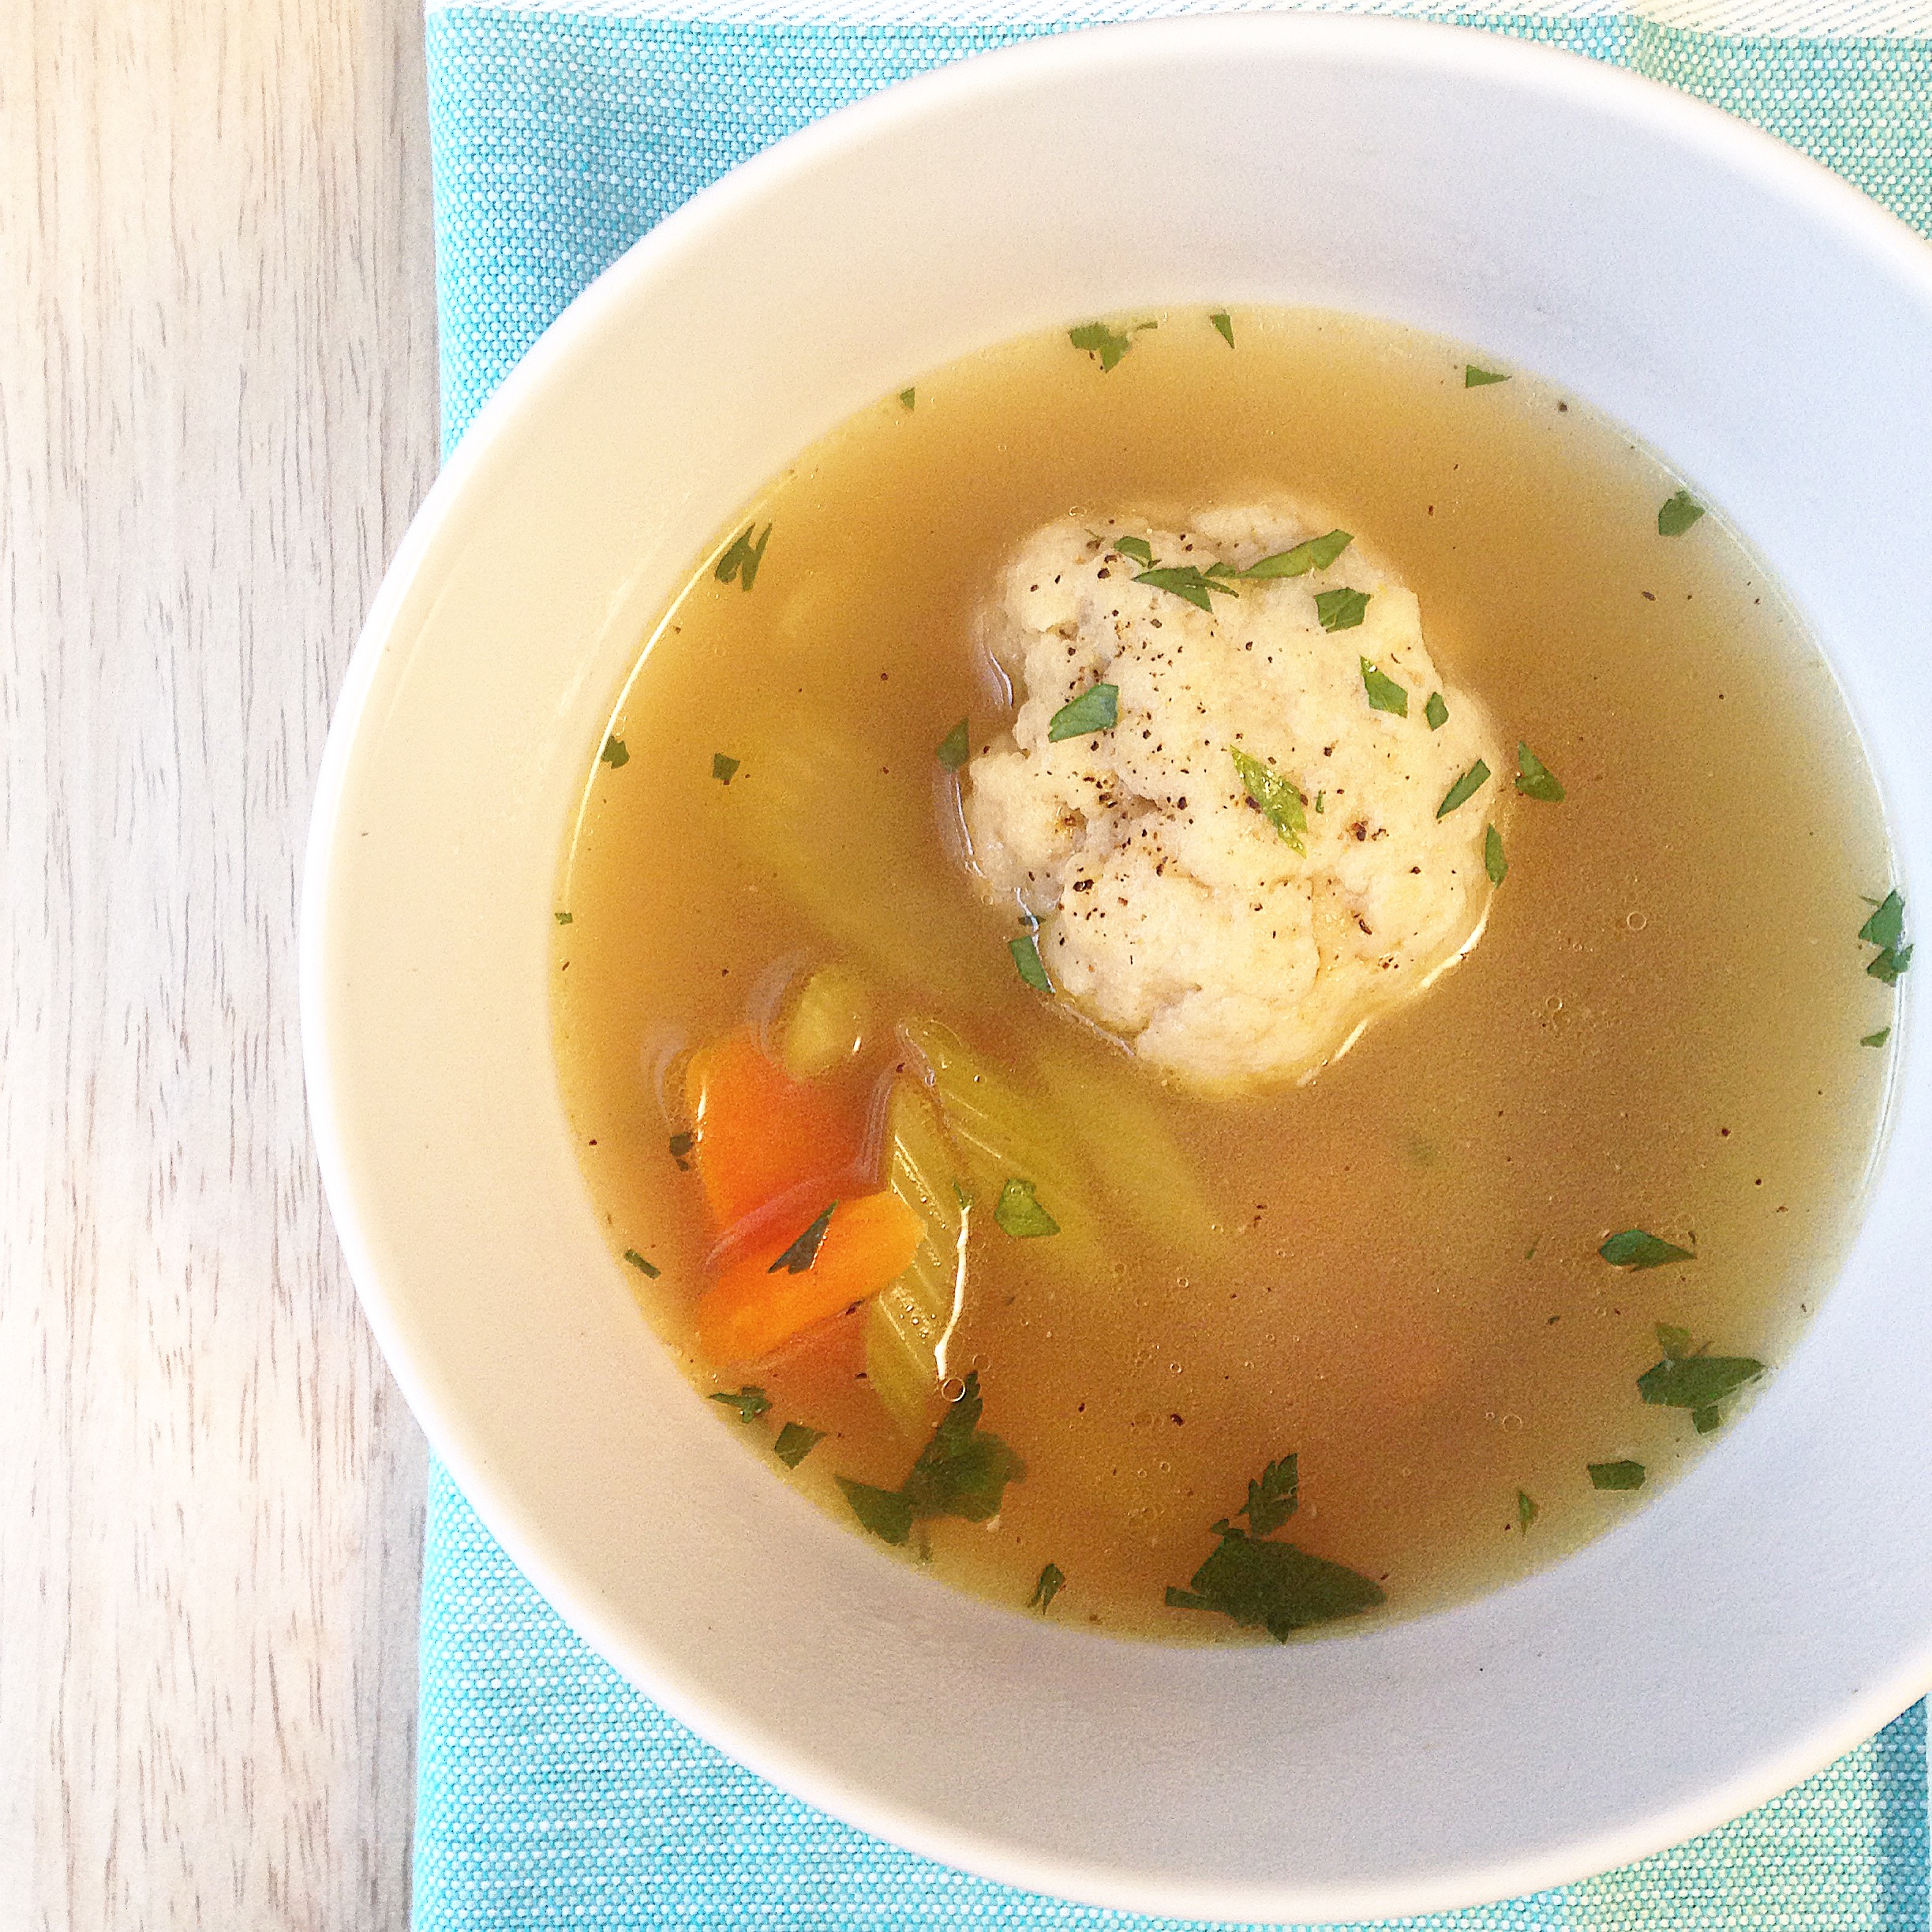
x: 550, y: 1793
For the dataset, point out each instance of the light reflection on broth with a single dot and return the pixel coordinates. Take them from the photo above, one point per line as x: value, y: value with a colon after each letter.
x: 1660, y: 1029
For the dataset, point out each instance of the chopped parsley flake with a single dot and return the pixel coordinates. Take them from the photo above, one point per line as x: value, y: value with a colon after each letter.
x: 1138, y: 549
x: 1675, y: 1343
x: 1341, y: 608
x: 1475, y: 378
x: 1494, y: 862
x: 962, y: 1471
x: 1272, y: 1587
x: 1384, y: 693
x: 1225, y: 323
x: 1877, y: 1038
x: 1885, y: 929
x: 906, y: 397
x: 1273, y: 1496
x: 1047, y: 1588
x: 955, y: 747
x: 1188, y: 583
x: 1026, y: 959
x: 1436, y: 711
x: 1109, y: 345
x: 1534, y: 778
x: 681, y: 1145
x: 796, y: 1441
x: 750, y: 1401
x: 742, y: 560
x: 563, y: 919
x: 1697, y: 1381
x: 885, y: 1512
x: 1678, y: 513
x: 1096, y: 708
x: 1616, y: 1475
x: 797, y: 1259
x: 1020, y: 1215
x: 1464, y: 789
x: 614, y: 754
x: 1634, y: 1249
x: 1525, y: 1510
x: 642, y: 1266
x: 1316, y: 553
x: 1279, y: 800
x: 723, y: 768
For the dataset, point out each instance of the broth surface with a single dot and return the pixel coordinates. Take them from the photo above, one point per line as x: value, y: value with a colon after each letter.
x: 1660, y: 1029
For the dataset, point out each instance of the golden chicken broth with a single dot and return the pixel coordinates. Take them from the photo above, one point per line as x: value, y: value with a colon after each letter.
x: 1392, y: 1272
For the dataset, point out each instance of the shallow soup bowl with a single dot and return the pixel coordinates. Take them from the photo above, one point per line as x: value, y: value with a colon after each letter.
x: 1755, y: 321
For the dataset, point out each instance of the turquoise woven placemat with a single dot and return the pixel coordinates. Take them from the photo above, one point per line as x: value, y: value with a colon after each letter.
x: 549, y: 1792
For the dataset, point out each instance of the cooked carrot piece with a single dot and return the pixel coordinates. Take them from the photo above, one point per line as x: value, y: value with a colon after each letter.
x: 759, y: 1134
x: 757, y: 1304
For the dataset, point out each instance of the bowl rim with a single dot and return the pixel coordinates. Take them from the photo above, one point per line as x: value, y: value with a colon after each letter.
x: 1369, y: 42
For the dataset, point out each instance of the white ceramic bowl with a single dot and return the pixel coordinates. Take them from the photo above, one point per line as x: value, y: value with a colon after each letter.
x: 1746, y: 314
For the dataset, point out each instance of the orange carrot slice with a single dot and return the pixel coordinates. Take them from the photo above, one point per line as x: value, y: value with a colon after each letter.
x: 757, y: 1305
x: 760, y: 1134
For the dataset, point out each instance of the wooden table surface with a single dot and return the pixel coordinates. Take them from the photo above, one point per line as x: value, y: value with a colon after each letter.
x: 217, y: 413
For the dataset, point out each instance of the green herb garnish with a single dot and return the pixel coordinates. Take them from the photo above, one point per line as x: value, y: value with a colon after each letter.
x: 1225, y: 323
x: 955, y: 747
x: 1341, y: 608
x: 1188, y: 583
x: 1384, y: 693
x: 750, y: 1401
x: 1675, y: 1343
x: 885, y: 1512
x: 1273, y: 1496
x: 1616, y: 1475
x: 614, y: 754
x: 906, y: 397
x: 1096, y: 708
x: 1705, y: 1420
x: 1436, y: 711
x: 642, y: 1266
x: 742, y: 560
x: 681, y: 1145
x: 1316, y: 553
x: 1534, y: 778
x: 963, y: 1470
x: 1138, y: 549
x: 797, y: 1259
x: 563, y: 919
x: 1047, y: 1588
x: 1464, y: 789
x: 1697, y: 1381
x: 1475, y: 378
x: 1279, y: 800
x: 723, y: 768
x: 1026, y: 959
x: 1877, y: 1038
x: 1021, y: 1215
x: 1678, y: 513
x: 1109, y: 345
x: 1525, y: 1510
x: 1495, y: 863
x: 1272, y: 1587
x: 796, y: 1441
x: 1634, y: 1249
x: 1885, y: 929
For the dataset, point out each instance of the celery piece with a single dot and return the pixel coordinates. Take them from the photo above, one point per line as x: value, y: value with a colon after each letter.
x: 846, y: 844
x: 1146, y: 1176
x: 1005, y: 1131
x: 824, y: 1022
x: 908, y: 1322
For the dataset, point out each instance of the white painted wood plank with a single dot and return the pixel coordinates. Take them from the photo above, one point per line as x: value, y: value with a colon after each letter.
x: 216, y: 414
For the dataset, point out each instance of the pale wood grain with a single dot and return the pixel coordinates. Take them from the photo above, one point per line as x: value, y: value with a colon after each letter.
x: 216, y: 414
